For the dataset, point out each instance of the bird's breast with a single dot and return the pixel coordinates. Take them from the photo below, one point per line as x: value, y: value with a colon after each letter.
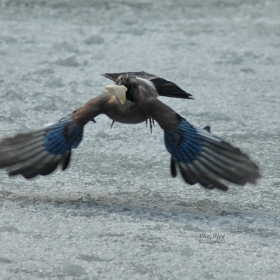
x: 129, y: 112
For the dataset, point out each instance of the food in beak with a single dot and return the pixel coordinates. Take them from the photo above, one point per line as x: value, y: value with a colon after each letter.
x: 118, y: 91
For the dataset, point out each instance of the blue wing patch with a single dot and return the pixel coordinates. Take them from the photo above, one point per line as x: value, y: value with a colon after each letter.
x: 63, y: 136
x: 183, y: 143
x: 205, y: 158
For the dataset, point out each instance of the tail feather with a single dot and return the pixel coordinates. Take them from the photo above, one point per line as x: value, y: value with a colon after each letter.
x: 40, y: 152
x: 206, y: 159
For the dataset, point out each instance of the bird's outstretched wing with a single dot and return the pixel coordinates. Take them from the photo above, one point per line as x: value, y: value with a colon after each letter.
x: 162, y: 86
x: 41, y: 152
x: 201, y: 156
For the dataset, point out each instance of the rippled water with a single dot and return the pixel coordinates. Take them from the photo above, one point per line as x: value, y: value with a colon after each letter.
x: 116, y: 213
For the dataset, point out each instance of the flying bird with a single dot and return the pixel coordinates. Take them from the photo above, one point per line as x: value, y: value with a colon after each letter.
x: 200, y: 156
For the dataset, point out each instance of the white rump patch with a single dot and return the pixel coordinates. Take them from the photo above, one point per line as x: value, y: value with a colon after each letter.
x: 147, y: 82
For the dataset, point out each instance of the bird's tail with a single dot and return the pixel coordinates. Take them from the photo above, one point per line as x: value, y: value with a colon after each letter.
x: 40, y: 152
x: 206, y: 159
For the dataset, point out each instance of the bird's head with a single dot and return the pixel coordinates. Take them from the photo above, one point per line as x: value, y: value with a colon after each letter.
x: 131, y: 83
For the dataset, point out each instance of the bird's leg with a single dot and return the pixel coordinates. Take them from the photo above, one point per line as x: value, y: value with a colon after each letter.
x: 151, y: 122
x: 151, y: 125
x: 112, y: 123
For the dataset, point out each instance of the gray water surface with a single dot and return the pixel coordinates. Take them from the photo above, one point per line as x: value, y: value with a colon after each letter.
x: 116, y: 213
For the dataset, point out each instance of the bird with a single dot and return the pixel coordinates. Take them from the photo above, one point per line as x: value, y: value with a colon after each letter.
x: 198, y: 155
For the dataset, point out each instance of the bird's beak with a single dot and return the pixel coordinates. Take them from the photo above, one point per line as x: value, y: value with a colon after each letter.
x: 118, y: 91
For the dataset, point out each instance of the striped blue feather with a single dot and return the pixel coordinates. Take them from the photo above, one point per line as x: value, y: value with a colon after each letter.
x: 205, y: 158
x: 63, y: 136
x: 183, y: 143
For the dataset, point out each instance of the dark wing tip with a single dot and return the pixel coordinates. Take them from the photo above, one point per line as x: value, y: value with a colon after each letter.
x: 66, y: 160
x: 169, y: 89
x: 173, y: 168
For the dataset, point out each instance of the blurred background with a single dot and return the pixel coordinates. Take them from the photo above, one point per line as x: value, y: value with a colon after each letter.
x: 116, y: 213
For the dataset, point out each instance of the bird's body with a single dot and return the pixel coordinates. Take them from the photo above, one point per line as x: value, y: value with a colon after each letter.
x: 144, y: 106
x: 200, y: 156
